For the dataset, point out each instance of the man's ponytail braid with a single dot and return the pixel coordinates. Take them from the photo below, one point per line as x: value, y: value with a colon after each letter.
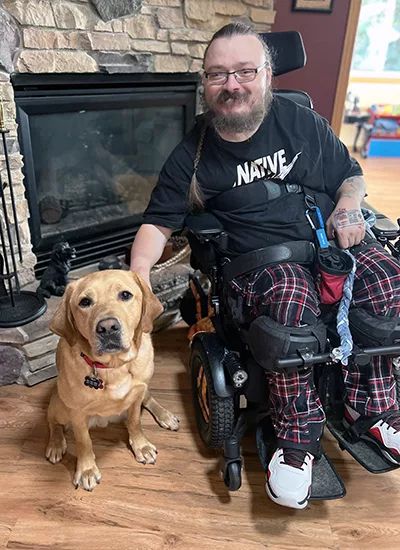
x: 196, y: 197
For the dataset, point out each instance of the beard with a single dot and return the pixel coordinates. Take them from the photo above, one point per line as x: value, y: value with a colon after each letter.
x: 238, y: 123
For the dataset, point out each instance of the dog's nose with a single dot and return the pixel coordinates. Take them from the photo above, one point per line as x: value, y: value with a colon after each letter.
x: 108, y: 326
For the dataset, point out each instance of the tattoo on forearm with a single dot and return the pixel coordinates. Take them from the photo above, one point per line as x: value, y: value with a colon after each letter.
x: 348, y: 218
x: 353, y: 188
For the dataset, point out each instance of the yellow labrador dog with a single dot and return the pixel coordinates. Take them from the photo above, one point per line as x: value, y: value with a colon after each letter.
x: 105, y: 363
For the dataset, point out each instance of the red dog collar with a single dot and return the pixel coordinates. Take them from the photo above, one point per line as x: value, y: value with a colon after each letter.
x: 93, y: 364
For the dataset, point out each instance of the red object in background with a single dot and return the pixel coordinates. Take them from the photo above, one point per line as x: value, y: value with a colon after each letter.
x: 385, y: 112
x: 323, y: 35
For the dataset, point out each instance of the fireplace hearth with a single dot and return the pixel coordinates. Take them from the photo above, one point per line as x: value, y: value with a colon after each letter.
x: 93, y: 146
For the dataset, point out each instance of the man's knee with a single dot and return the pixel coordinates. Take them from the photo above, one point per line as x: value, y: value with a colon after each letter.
x: 269, y: 341
x: 293, y: 299
x: 377, y: 282
x: 370, y: 329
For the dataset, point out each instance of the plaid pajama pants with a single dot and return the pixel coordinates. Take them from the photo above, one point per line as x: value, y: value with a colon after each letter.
x: 287, y: 294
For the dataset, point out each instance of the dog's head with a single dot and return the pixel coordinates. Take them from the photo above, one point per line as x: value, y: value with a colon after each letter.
x: 63, y: 252
x: 110, y: 310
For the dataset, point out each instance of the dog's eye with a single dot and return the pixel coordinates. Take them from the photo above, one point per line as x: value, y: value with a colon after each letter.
x: 125, y: 295
x: 85, y: 302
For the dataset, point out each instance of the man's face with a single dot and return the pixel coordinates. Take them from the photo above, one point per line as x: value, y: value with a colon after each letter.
x: 238, y: 107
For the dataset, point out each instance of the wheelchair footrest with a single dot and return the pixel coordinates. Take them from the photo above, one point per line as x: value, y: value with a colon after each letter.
x: 364, y: 450
x: 326, y: 482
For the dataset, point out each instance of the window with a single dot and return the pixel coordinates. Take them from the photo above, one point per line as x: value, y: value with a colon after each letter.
x: 377, y: 47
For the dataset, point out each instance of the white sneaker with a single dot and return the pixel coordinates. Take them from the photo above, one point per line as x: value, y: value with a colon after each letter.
x: 384, y: 433
x: 289, y: 477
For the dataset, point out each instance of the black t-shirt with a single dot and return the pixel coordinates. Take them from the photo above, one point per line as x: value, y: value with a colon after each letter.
x: 293, y: 145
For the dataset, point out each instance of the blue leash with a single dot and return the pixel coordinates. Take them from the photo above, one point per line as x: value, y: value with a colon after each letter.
x: 343, y: 352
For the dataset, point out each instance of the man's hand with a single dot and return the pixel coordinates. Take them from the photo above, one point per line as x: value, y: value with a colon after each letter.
x: 346, y: 223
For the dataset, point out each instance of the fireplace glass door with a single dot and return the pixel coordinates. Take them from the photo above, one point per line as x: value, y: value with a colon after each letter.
x: 99, y: 167
x: 92, y: 155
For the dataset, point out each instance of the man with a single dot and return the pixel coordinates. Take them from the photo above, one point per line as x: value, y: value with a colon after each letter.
x: 248, y: 136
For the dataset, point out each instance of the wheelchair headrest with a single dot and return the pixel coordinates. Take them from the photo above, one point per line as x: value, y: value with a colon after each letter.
x: 287, y: 50
x: 302, y: 98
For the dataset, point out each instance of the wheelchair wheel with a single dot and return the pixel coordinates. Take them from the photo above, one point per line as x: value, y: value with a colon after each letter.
x: 233, y: 476
x: 214, y: 414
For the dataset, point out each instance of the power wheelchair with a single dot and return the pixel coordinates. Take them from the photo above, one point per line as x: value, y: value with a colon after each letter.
x: 227, y: 365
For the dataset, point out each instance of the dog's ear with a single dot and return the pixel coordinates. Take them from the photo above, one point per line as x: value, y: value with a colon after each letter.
x: 151, y: 305
x: 62, y: 322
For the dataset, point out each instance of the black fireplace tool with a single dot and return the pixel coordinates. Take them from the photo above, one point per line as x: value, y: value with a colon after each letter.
x: 17, y: 307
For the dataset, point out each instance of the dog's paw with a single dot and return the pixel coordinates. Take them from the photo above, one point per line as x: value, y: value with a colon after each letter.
x: 87, y: 479
x: 144, y: 451
x: 59, y: 290
x: 168, y: 420
x: 56, y: 450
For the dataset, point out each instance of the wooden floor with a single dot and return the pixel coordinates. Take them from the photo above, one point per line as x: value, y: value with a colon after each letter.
x: 383, y: 184
x: 181, y: 502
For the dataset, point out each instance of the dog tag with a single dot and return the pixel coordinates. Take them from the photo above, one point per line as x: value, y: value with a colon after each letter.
x: 95, y: 383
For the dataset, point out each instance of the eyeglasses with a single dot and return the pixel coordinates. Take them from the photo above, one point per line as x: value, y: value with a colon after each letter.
x: 243, y: 75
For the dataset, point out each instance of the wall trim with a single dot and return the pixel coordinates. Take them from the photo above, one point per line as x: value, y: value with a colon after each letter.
x: 372, y: 80
x: 345, y: 65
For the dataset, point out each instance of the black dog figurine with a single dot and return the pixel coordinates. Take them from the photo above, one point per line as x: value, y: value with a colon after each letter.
x: 55, y: 278
x: 112, y: 262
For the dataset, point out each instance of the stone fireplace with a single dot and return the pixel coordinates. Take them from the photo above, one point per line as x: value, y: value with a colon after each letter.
x: 53, y: 51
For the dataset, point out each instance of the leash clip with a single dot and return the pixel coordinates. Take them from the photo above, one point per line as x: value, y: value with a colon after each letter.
x: 310, y: 219
x: 320, y: 231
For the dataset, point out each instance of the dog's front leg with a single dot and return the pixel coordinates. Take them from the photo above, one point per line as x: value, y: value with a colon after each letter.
x: 162, y: 416
x: 87, y: 474
x: 145, y: 452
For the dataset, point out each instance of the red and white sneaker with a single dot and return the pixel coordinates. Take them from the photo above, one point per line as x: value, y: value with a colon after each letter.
x: 289, y: 477
x: 385, y: 433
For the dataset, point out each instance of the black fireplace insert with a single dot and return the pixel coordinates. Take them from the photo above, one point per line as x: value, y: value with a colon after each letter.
x: 93, y: 145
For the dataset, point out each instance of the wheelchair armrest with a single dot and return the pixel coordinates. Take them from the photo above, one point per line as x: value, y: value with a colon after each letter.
x: 384, y: 228
x: 207, y: 227
x: 204, y: 224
